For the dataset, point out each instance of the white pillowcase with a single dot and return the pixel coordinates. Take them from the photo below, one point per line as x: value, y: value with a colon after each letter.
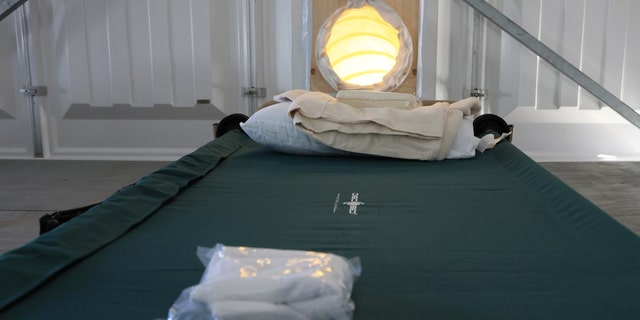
x: 273, y: 128
x: 465, y: 143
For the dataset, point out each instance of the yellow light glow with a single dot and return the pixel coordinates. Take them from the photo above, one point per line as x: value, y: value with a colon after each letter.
x: 362, y: 47
x: 248, y: 272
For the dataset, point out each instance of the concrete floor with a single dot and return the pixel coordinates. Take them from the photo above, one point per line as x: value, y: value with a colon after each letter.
x: 612, y: 186
x: 32, y: 188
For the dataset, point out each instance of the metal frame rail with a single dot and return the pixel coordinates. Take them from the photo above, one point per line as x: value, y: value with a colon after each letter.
x: 8, y: 6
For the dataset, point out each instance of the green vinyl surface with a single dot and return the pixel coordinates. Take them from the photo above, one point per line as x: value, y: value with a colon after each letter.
x: 494, y: 237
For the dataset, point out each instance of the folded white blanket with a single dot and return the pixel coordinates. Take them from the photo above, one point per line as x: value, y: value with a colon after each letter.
x: 251, y: 310
x: 242, y: 283
x: 422, y: 133
x: 327, y: 307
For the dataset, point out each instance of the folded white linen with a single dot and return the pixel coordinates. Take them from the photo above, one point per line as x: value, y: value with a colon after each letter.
x: 320, y: 112
x: 489, y: 141
x: 241, y: 282
x: 422, y: 133
x: 325, y: 307
x: 251, y: 310
x: 250, y: 283
x: 465, y: 144
x: 289, y: 95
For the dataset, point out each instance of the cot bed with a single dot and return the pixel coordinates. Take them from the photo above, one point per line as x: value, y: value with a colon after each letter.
x: 493, y: 237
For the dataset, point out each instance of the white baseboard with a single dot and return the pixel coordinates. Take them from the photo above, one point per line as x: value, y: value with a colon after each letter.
x: 15, y: 153
x: 121, y: 154
x: 574, y: 135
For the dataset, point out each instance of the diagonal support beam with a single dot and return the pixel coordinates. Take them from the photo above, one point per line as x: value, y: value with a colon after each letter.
x: 555, y: 60
x: 8, y: 6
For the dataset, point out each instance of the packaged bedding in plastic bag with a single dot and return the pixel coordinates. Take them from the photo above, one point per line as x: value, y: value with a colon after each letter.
x: 259, y: 283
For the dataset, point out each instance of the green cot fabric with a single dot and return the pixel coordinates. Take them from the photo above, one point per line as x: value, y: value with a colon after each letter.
x: 494, y: 237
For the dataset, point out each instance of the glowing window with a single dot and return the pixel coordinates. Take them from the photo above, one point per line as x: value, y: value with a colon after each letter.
x: 364, y: 45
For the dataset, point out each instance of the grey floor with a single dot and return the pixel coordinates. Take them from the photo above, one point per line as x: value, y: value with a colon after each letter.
x: 612, y: 186
x: 31, y: 188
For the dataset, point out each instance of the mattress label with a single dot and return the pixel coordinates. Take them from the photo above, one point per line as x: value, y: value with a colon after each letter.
x: 353, y: 204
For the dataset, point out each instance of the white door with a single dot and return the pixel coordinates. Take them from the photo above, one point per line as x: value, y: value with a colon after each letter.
x: 16, y: 119
x: 129, y: 79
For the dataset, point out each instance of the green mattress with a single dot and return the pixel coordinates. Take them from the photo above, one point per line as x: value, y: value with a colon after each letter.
x: 494, y: 237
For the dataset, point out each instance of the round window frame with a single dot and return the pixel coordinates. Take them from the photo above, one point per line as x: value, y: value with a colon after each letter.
x: 395, y: 77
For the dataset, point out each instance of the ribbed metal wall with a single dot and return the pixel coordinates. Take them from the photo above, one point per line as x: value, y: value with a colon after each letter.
x: 555, y: 119
x: 597, y: 36
x: 138, y: 79
x: 135, y: 52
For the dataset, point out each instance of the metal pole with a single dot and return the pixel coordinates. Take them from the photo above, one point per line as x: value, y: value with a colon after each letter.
x: 8, y: 6
x: 23, y: 37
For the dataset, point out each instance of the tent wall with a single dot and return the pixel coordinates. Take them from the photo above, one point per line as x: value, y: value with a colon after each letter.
x: 136, y: 79
x: 129, y: 79
x: 555, y: 119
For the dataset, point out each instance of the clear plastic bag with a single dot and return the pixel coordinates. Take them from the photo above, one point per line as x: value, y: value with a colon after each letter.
x: 245, y: 283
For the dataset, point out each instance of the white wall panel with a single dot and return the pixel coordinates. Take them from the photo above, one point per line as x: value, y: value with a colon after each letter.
x: 119, y: 58
x: 571, y: 44
x: 74, y: 38
x: 201, y: 37
x: 500, y: 64
x: 631, y: 70
x: 181, y: 42
x: 453, y: 70
x: 427, y: 52
x: 551, y: 34
x: 593, y: 35
x: 135, y: 52
x: 160, y: 51
x: 529, y: 62
x: 124, y: 76
x: 99, y: 62
x: 275, y: 46
x: 553, y: 117
x: 8, y: 68
x: 506, y: 66
x: 141, y: 61
x: 15, y: 114
x: 64, y: 78
x: 615, y: 44
x: 592, y: 55
x: 228, y: 54
x: 301, y: 44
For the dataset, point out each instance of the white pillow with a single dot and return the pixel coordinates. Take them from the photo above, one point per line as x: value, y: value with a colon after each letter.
x: 465, y: 144
x: 273, y: 128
